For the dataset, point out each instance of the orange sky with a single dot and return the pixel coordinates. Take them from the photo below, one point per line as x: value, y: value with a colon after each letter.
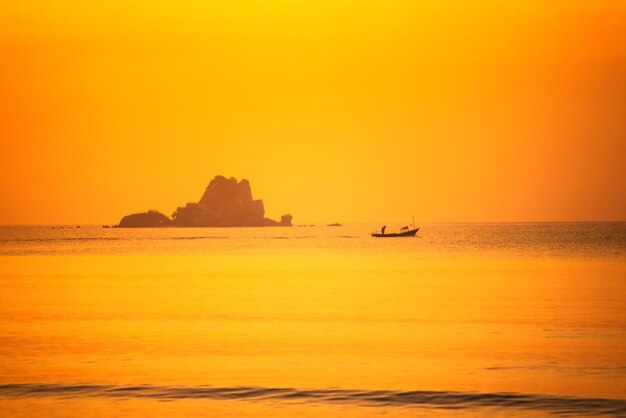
x: 336, y: 110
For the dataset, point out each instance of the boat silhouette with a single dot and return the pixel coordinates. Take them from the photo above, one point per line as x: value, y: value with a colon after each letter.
x: 404, y: 232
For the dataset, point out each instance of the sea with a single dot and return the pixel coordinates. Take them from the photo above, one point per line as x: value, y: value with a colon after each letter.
x: 463, y: 320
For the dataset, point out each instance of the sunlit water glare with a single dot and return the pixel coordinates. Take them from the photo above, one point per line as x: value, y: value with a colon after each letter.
x: 462, y: 320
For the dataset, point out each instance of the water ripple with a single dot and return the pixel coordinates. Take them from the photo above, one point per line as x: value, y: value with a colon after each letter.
x: 562, y: 405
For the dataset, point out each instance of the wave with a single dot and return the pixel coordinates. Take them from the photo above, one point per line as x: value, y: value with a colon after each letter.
x: 6, y: 240
x: 618, y: 370
x: 62, y: 239
x: 562, y: 405
x: 190, y: 238
x: 83, y: 239
x: 87, y: 239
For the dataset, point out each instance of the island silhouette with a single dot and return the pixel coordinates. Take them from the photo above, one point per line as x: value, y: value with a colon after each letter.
x: 225, y: 202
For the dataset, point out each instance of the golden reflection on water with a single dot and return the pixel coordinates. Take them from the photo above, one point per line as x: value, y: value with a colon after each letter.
x: 312, y: 319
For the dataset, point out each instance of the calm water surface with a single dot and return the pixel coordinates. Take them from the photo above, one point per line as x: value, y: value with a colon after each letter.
x: 462, y: 320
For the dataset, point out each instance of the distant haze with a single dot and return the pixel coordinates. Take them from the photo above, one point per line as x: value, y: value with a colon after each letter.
x: 339, y: 111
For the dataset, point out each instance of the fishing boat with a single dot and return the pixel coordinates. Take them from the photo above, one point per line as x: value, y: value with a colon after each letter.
x: 404, y: 232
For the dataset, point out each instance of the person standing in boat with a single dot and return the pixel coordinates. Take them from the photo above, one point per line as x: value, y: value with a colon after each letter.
x: 382, y: 230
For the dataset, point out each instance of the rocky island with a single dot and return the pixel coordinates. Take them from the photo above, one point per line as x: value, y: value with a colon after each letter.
x: 225, y: 202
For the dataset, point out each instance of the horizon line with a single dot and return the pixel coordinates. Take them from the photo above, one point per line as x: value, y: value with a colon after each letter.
x: 325, y: 223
